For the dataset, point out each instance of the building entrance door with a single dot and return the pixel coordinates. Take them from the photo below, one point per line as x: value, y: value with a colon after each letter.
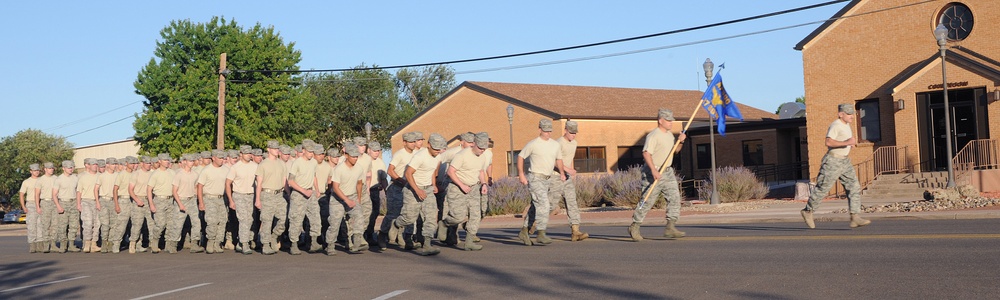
x: 967, y: 123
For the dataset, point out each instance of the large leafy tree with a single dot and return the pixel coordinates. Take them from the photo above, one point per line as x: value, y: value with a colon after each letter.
x: 425, y: 85
x: 180, y: 85
x: 347, y: 100
x: 22, y: 149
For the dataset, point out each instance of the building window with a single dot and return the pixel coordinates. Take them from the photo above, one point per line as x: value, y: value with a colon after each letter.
x: 512, y: 163
x: 628, y: 157
x: 753, y: 152
x: 590, y: 160
x: 868, y: 120
x: 704, y: 156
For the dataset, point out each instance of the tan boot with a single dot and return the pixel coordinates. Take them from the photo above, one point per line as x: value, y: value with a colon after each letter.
x: 577, y: 234
x: 94, y: 248
x: 543, y: 238
x: 857, y: 221
x: 229, y: 241
x: 131, y: 247
x: 470, y: 243
x: 807, y: 215
x: 171, y: 247
x: 62, y: 246
x: 154, y: 246
x: 523, y: 236
x: 72, y: 245
x: 671, y: 231
x: 633, y: 231
x: 86, y: 246
x: 33, y: 247
x: 116, y: 247
x: 48, y: 246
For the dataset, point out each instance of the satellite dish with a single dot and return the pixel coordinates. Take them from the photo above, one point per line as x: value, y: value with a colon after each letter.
x: 791, y: 110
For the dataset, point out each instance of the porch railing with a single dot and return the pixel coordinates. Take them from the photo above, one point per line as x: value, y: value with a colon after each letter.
x: 884, y: 160
x: 976, y: 155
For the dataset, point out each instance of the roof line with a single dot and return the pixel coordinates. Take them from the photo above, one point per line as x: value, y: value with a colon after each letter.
x: 836, y: 17
x: 105, y: 143
x: 956, y: 58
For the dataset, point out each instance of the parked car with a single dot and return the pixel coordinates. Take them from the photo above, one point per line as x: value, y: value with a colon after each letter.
x: 14, y: 216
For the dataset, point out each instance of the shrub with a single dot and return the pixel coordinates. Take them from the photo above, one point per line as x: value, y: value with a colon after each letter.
x: 507, y: 196
x: 588, y: 190
x: 623, y: 188
x: 735, y: 184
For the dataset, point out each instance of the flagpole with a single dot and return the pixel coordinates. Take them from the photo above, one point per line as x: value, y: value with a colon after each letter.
x: 670, y: 156
x: 709, y: 66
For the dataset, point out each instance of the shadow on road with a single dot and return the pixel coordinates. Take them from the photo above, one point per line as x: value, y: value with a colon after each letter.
x: 22, y: 274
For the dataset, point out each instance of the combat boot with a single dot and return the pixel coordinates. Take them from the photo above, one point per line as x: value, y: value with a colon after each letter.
x: 294, y: 248
x: 210, y: 247
x: 315, y: 247
x: 246, y: 249
x: 633, y: 231
x: 671, y: 231
x: 94, y: 248
x: 383, y: 241
x: 452, y: 238
x: 187, y: 242
x: 171, y: 247
x: 331, y: 249
x: 356, y: 246
x: 523, y: 236
x: 577, y: 234
x: 62, y: 246
x: 857, y: 221
x: 427, y: 249
x: 72, y: 246
x: 104, y: 247
x: 131, y: 247
x: 267, y: 248
x: 116, y: 247
x: 229, y: 241
x: 32, y: 247
x: 238, y: 247
x: 807, y: 215
x: 196, y: 247
x: 442, y: 233
x: 470, y: 243
x: 86, y: 246
x: 48, y: 246
x: 154, y: 246
x: 542, y: 238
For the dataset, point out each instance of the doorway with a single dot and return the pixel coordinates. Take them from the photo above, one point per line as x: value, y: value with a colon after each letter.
x: 967, y: 110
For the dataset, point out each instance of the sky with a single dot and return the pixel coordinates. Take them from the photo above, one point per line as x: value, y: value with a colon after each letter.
x: 70, y: 65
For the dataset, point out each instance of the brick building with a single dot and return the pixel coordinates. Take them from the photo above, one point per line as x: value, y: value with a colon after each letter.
x: 613, y: 122
x: 883, y: 57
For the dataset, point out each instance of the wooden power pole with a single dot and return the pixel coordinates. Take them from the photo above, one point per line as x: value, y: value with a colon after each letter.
x: 220, y: 138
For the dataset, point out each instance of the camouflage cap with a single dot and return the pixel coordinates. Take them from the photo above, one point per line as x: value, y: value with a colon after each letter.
x: 132, y: 159
x: 285, y: 149
x: 34, y: 167
x: 101, y: 163
x: 333, y: 152
x: 122, y: 161
x: 352, y: 149
x: 89, y: 161
x: 206, y: 154
x: 437, y: 141
x: 163, y: 156
x: 307, y: 143
x: 299, y: 148
x: 317, y: 149
x: 49, y: 165
x: 665, y: 114
x: 360, y: 141
x: 468, y: 137
x: 68, y: 164
x: 273, y: 144
x: 374, y: 146
x: 482, y: 140
x: 145, y: 159
x: 257, y: 152
x: 245, y: 149
x: 417, y: 135
x: 846, y: 108
x: 111, y: 161
x: 545, y: 125
x: 219, y: 153
x: 572, y: 127
x: 232, y: 153
x: 408, y: 137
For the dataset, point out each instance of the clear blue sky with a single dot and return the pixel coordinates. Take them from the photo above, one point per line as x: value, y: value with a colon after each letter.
x: 65, y: 61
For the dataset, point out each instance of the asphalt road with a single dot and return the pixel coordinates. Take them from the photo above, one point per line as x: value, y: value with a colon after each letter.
x: 906, y: 259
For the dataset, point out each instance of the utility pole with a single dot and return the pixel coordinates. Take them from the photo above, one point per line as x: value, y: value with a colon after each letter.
x: 220, y: 138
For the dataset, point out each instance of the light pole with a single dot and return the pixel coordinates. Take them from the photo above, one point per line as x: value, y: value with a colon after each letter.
x: 941, y: 33
x: 709, y: 66
x: 510, y: 156
x: 368, y: 130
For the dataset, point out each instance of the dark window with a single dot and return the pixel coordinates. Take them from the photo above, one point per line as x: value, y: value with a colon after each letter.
x: 868, y: 120
x: 703, y: 151
x: 753, y: 152
x: 590, y: 160
x: 628, y: 157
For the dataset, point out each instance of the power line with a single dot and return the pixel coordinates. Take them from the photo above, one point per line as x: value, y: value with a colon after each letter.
x: 90, y: 117
x: 98, y: 127
x: 562, y: 48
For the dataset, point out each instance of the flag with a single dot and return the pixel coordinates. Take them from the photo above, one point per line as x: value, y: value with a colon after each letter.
x: 718, y: 104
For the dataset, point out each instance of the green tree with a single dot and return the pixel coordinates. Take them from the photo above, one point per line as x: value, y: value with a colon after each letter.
x: 180, y: 84
x: 425, y: 85
x: 22, y: 149
x: 345, y: 101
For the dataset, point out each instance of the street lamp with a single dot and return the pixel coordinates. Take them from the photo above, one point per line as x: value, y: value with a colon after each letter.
x: 510, y: 156
x: 709, y: 66
x: 368, y: 130
x: 941, y: 33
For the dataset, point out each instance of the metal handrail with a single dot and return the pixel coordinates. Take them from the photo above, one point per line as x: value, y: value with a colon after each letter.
x: 976, y: 155
x: 885, y: 159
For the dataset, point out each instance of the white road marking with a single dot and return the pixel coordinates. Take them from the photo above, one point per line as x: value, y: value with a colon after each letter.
x: 392, y: 294
x: 172, y: 291
x: 41, y: 284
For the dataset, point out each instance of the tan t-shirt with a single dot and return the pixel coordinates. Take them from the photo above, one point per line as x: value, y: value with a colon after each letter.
x: 467, y: 166
x: 139, y: 182
x: 347, y: 178
x: 303, y: 172
x: 28, y: 188
x: 542, y: 154
x: 242, y: 175
x: 185, y: 183
x: 399, y: 161
x: 323, y: 172
x: 86, y: 185
x: 423, y: 165
x: 213, y: 180
x: 107, y: 182
x: 378, y: 169
x: 272, y: 173
x: 567, y: 153
x: 66, y: 185
x: 162, y: 182
x: 45, y: 184
x: 839, y: 131
x: 487, y: 159
x: 658, y: 145
x: 122, y: 181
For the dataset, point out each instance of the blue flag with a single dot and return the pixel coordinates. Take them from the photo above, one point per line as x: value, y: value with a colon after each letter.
x: 718, y: 104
